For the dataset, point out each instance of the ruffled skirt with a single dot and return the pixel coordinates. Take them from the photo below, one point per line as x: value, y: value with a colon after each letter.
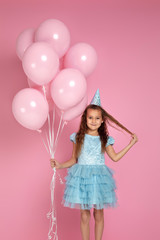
x: 90, y: 186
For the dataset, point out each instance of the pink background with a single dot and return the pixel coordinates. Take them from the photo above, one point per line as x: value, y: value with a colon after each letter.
x: 126, y: 37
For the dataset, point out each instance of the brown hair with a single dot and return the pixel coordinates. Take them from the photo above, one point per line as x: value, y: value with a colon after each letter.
x: 102, y: 130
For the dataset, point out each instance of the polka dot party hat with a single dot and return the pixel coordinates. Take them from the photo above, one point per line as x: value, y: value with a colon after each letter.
x: 96, y: 99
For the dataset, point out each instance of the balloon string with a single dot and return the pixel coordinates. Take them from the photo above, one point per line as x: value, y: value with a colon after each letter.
x: 48, y: 117
x: 44, y: 91
x: 51, y: 215
x: 39, y: 131
x: 59, y: 132
x: 49, y: 129
x: 52, y: 212
x: 51, y: 135
x: 53, y: 121
x: 52, y: 145
x: 48, y: 143
x: 59, y: 135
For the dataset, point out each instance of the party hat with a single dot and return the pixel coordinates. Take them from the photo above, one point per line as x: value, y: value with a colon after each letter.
x: 96, y: 99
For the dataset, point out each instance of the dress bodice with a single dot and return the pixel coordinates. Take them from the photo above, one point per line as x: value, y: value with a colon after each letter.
x: 91, y: 149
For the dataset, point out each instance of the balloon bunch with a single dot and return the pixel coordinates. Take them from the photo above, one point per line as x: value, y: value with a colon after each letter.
x: 56, y: 75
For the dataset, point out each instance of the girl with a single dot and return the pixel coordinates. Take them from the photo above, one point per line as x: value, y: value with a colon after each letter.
x: 90, y: 182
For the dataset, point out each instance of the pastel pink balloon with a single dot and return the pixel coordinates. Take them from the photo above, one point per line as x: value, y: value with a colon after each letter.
x: 81, y: 56
x: 40, y: 63
x: 24, y: 40
x: 56, y: 33
x: 68, y: 88
x: 30, y: 108
x: 75, y: 111
x: 43, y: 88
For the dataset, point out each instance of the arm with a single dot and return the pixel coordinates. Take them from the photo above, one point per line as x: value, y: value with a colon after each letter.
x: 117, y: 156
x: 66, y: 164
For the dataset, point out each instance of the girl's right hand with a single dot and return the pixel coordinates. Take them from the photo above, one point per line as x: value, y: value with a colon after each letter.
x: 134, y: 138
x: 55, y: 163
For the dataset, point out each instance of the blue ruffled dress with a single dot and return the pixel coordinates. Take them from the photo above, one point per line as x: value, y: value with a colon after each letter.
x: 89, y: 182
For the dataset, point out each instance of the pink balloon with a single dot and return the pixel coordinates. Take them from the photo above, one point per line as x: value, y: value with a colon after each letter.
x: 68, y: 88
x: 40, y: 63
x: 24, y: 40
x: 76, y: 110
x: 56, y: 33
x: 43, y: 88
x: 81, y: 56
x: 30, y: 108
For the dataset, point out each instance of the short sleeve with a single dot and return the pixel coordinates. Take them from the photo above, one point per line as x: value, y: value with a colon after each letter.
x: 73, y: 137
x: 110, y: 141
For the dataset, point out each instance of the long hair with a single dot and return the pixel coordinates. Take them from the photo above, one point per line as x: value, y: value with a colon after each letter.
x: 102, y: 130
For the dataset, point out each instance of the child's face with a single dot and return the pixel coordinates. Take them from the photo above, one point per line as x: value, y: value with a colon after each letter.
x: 94, y: 119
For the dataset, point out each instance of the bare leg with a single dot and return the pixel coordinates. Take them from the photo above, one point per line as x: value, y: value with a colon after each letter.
x: 99, y: 223
x: 85, y: 218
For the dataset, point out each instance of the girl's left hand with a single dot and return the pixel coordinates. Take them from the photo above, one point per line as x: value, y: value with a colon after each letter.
x: 134, y: 138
